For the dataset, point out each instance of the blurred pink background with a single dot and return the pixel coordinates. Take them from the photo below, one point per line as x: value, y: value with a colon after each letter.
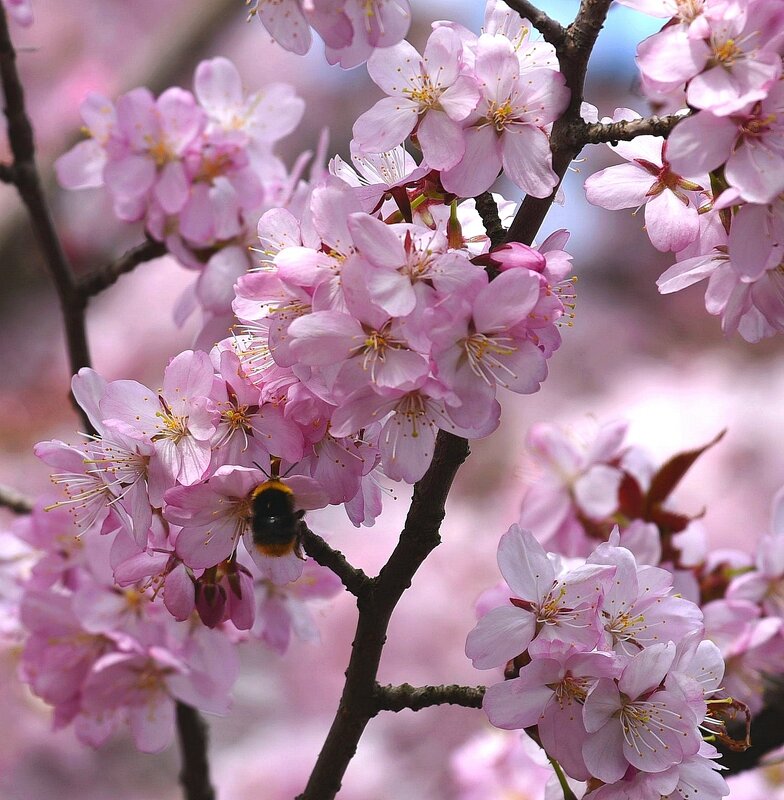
x: 661, y: 363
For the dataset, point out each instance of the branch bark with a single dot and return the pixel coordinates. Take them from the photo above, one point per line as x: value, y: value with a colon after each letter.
x: 25, y: 176
x: 14, y: 501
x: 396, y: 698
x: 582, y: 133
x: 573, y: 56
x: 354, y: 579
x: 195, y: 772
x: 91, y: 285
x: 358, y: 703
x: 552, y: 31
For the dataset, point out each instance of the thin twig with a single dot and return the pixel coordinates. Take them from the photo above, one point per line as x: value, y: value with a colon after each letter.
x: 28, y: 184
x: 582, y: 133
x: 354, y: 579
x: 396, y: 698
x: 195, y: 772
x: 91, y: 285
x: 552, y: 31
x: 14, y: 500
x: 766, y: 732
x: 358, y: 703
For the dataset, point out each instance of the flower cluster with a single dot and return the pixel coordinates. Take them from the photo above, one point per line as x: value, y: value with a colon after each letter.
x: 474, y: 104
x: 100, y: 620
x: 610, y: 667
x: 712, y: 191
x: 197, y: 170
x: 388, y: 331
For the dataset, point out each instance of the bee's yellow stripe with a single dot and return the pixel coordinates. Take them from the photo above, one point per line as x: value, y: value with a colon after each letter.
x: 271, y: 484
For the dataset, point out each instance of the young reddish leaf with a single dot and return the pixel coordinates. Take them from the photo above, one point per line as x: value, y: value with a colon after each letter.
x: 670, y: 474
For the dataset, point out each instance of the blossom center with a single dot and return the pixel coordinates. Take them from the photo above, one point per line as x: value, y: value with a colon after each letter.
x: 426, y: 95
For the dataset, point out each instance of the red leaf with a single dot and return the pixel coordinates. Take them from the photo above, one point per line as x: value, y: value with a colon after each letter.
x: 670, y: 474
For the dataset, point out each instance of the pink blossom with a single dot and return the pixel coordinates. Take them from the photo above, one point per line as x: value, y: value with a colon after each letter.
x: 549, y: 693
x: 489, y: 346
x: 427, y: 92
x: 765, y: 584
x: 636, y: 723
x: 378, y: 23
x: 83, y: 165
x: 574, y: 478
x: 728, y: 60
x: 670, y: 200
x: 638, y: 609
x: 507, y: 129
x: 544, y: 606
x: 179, y: 421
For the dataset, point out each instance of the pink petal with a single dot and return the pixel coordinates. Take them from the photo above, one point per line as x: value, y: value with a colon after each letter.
x: 82, y: 166
x: 506, y: 301
x: 527, y: 160
x: 524, y: 564
x: 621, y: 186
x: 441, y: 140
x: 480, y: 165
x: 385, y: 125
x: 671, y: 224
x: 499, y: 636
x: 218, y: 85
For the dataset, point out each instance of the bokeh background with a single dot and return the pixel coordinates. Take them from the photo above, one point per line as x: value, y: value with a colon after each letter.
x: 660, y: 362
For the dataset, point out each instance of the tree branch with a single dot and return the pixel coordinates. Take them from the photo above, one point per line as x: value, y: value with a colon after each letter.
x: 149, y: 250
x: 354, y: 579
x: 573, y: 58
x: 28, y: 183
x: 396, y: 698
x: 582, y: 133
x: 358, y: 703
x: 14, y: 501
x: 195, y: 772
x: 552, y: 31
x: 488, y: 211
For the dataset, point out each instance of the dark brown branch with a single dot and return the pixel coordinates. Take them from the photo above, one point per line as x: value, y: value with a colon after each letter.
x: 358, y: 703
x: 353, y: 579
x: 582, y: 133
x: 488, y: 211
x: 104, y: 278
x: 552, y: 31
x: 7, y: 174
x: 195, y: 772
x: 573, y: 58
x: 14, y: 501
x: 396, y: 698
x: 28, y: 183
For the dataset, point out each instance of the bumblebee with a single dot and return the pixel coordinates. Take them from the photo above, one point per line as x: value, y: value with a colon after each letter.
x: 274, y: 520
